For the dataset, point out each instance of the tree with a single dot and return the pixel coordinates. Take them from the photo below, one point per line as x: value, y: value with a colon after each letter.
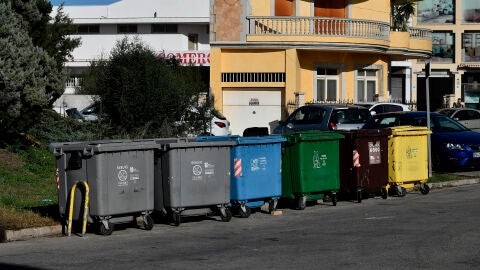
x: 32, y: 76
x: 50, y: 34
x: 141, y: 94
x: 402, y: 10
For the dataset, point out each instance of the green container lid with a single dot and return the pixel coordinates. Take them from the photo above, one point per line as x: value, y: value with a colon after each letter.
x: 313, y: 135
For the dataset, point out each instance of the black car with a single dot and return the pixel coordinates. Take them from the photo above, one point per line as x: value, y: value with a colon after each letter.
x: 324, y: 117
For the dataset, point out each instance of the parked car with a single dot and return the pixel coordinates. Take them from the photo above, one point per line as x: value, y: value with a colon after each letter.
x: 92, y: 112
x: 219, y: 125
x: 453, y: 145
x: 324, y: 117
x: 470, y: 118
x: 384, y: 107
x: 75, y: 114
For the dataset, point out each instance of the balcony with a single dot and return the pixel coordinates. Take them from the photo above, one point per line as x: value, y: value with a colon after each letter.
x: 343, y: 34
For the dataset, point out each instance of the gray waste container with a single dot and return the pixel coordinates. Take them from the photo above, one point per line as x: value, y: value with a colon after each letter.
x: 192, y: 178
x: 120, y: 175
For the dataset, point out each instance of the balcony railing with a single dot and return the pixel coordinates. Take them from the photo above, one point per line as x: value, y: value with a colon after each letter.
x: 420, y: 33
x: 318, y: 26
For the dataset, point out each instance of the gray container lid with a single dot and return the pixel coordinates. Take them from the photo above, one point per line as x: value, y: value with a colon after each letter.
x: 173, y: 143
x: 92, y: 147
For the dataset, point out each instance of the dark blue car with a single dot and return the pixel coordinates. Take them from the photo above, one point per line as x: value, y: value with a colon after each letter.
x: 453, y: 145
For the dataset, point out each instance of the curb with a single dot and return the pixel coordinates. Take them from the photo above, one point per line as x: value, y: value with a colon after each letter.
x: 25, y: 234
x: 454, y: 183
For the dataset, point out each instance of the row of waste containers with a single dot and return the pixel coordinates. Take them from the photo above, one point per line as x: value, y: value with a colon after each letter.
x: 130, y: 179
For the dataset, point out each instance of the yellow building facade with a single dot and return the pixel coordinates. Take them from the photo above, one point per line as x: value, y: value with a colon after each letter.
x: 455, y: 60
x: 269, y: 54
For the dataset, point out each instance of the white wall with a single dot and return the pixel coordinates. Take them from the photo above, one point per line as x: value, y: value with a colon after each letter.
x: 178, y: 10
x: 192, y: 17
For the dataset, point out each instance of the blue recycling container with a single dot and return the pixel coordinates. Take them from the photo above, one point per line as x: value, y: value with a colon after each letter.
x: 256, y: 171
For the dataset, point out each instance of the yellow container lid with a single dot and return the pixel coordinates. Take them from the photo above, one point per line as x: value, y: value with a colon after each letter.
x: 410, y: 131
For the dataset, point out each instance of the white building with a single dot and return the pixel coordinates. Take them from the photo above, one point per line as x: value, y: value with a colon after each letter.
x: 172, y: 27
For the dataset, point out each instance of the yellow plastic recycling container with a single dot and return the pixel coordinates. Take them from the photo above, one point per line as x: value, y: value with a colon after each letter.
x: 408, y: 156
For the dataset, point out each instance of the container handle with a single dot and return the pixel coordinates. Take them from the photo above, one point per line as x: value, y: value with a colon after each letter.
x: 58, y: 152
x: 88, y: 152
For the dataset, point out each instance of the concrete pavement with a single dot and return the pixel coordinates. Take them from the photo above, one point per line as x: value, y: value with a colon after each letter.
x: 25, y: 234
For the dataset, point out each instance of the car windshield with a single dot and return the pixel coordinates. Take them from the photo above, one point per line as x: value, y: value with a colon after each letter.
x: 350, y: 116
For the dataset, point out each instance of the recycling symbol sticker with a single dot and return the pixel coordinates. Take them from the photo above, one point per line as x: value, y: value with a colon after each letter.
x: 122, y: 175
x: 197, y: 170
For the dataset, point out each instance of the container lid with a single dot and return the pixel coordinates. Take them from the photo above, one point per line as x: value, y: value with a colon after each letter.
x: 170, y: 143
x: 313, y: 135
x: 410, y: 131
x: 366, y: 132
x: 245, y: 140
x: 91, y: 147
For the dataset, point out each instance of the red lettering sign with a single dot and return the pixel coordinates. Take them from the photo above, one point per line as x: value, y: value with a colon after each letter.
x: 194, y: 58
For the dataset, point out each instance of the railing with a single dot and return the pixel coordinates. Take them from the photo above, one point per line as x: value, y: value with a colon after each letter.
x: 420, y: 33
x: 318, y: 26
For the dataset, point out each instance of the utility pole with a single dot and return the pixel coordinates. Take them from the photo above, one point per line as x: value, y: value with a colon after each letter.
x: 428, y: 71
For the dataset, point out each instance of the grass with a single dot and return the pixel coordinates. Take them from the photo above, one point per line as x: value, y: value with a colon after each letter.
x: 28, y: 192
x: 443, y: 177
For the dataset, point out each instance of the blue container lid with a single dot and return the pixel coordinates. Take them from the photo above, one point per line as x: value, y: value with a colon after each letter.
x: 244, y: 140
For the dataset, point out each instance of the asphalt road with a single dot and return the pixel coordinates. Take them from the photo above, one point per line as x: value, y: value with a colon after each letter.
x: 435, y: 231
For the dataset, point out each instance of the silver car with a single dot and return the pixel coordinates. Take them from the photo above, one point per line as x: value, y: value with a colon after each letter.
x: 470, y: 118
x: 324, y: 117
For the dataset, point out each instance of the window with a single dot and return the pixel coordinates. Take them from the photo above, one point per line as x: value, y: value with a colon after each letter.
x: 88, y: 28
x: 307, y: 115
x: 470, y: 11
x: 466, y: 115
x: 443, y: 47
x: 366, y: 84
x: 164, y: 28
x: 326, y: 84
x: 126, y: 28
x: 192, y: 42
x: 436, y: 12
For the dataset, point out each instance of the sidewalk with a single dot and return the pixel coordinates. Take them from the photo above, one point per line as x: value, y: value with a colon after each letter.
x: 25, y: 234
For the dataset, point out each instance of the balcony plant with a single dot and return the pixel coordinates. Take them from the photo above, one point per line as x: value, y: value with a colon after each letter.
x: 402, y: 11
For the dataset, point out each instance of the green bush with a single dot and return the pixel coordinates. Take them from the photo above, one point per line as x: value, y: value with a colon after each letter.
x: 52, y: 127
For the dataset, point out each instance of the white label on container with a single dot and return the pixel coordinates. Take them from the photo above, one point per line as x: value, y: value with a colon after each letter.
x: 319, y: 160
x: 197, y: 170
x: 374, y: 156
x: 122, y: 178
x: 258, y: 164
x: 209, y: 168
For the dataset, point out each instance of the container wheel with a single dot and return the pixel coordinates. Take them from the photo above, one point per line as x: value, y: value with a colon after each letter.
x: 244, y: 211
x: 272, y: 206
x: 147, y: 222
x: 384, y: 193
x: 334, y: 199
x: 401, y: 191
x: 177, y: 219
x: 302, y: 202
x: 359, y: 195
x: 105, y: 227
x: 424, y: 188
x: 226, y: 215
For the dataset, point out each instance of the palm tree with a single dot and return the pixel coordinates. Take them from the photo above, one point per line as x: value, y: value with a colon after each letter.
x: 402, y: 10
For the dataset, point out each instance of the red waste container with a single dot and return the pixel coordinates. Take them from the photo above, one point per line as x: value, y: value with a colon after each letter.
x: 364, y: 163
